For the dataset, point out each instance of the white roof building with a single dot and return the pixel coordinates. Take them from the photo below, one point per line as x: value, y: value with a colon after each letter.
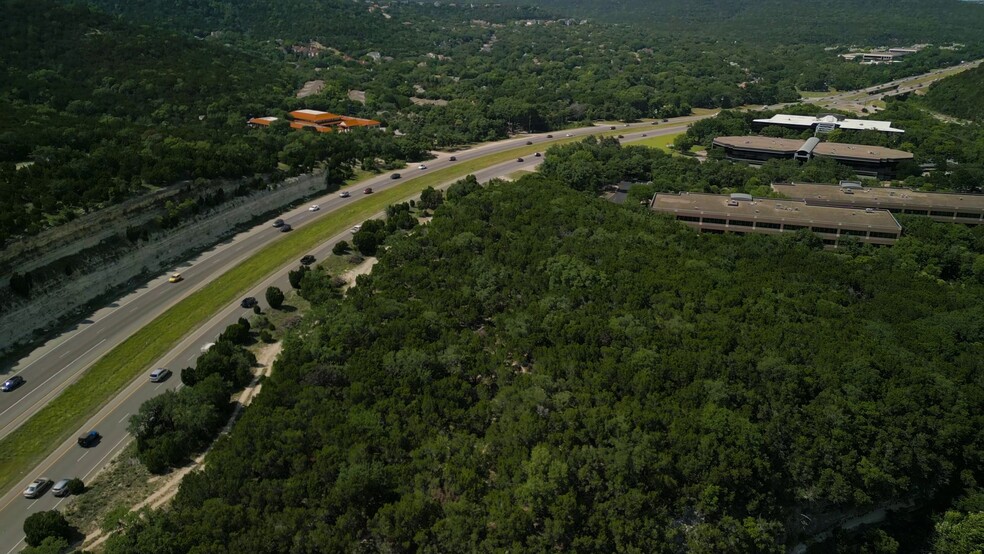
x: 839, y: 122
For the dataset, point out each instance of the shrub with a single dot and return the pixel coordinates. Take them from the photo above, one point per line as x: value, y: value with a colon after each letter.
x: 275, y: 297
x: 341, y: 248
x: 41, y: 525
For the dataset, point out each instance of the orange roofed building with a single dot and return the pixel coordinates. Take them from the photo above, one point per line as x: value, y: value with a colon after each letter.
x: 322, y: 122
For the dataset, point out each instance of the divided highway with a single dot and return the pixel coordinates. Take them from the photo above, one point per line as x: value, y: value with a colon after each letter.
x: 55, y: 365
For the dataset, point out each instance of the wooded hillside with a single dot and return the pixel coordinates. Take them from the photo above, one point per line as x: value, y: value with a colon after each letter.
x: 541, y: 370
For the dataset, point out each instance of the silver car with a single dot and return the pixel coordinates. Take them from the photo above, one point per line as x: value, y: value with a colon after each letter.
x: 37, y: 488
x: 61, y: 487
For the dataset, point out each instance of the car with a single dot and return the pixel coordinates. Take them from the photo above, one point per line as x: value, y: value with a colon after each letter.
x: 537, y: 155
x: 249, y: 302
x: 453, y: 158
x: 568, y: 135
x: 286, y: 228
x: 549, y: 136
x: 621, y: 136
x: 37, y: 488
x: 519, y: 160
x: 421, y: 166
x: 666, y: 121
x: 314, y: 208
x: 529, y: 142
x: 644, y: 134
x: 613, y: 127
x: 12, y: 383
x: 61, y: 487
x: 89, y: 439
x: 159, y: 375
x: 175, y: 278
x: 368, y: 190
x: 395, y: 176
x: 308, y: 260
x: 344, y: 194
x: 278, y: 223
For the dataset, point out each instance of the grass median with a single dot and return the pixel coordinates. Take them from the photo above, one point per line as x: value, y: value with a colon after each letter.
x: 23, y: 449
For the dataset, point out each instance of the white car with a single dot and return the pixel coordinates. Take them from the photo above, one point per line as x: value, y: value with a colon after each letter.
x: 344, y: 194
x: 314, y: 208
x: 568, y: 135
x: 355, y: 229
x: 421, y: 166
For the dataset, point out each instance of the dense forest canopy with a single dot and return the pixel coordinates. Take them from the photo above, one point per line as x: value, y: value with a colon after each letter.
x: 887, y: 22
x: 959, y: 96
x: 537, y: 369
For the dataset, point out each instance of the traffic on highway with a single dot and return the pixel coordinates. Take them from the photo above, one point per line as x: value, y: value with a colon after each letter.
x: 43, y: 374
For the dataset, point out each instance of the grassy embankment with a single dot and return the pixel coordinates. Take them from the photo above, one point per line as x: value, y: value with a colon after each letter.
x: 55, y: 423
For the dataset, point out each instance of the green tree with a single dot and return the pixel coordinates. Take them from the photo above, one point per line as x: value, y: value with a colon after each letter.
x: 274, y: 297
x: 959, y: 533
x: 42, y: 525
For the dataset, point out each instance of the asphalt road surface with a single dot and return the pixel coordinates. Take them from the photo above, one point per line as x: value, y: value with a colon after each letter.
x: 61, y: 361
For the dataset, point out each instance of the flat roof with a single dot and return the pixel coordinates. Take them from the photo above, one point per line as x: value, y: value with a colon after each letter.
x: 881, y: 196
x: 806, y: 121
x: 832, y: 149
x: 766, y: 209
x: 860, y: 151
x: 313, y: 115
x: 764, y: 144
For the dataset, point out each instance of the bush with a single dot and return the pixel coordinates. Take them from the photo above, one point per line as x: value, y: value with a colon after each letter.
x: 266, y: 336
x: 275, y: 297
x: 50, y: 545
x: 257, y: 310
x: 341, y: 248
x: 76, y: 486
x: 296, y: 275
x: 41, y: 525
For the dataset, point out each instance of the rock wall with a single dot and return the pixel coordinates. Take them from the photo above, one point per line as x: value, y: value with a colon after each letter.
x: 115, y: 271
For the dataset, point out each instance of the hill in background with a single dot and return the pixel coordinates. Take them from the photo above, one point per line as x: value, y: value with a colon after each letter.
x: 789, y: 21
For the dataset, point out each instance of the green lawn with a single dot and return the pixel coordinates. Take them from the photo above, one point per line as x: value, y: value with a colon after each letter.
x: 23, y: 449
x: 662, y: 142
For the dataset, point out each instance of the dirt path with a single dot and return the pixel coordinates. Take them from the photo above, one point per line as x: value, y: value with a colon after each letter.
x: 167, y: 485
x: 361, y: 269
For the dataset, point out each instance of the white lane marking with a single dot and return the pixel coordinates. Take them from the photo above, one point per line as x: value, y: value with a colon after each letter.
x: 52, y: 377
x: 16, y: 545
x: 33, y: 503
x: 122, y: 418
x: 67, y: 352
x: 158, y: 386
x: 83, y: 455
x: 99, y: 463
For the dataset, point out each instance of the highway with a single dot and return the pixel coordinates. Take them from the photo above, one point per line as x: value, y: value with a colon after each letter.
x: 55, y: 365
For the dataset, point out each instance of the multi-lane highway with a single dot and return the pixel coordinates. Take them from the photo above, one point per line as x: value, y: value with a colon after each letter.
x: 58, y: 363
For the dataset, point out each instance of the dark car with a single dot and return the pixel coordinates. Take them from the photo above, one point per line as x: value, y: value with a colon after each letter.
x: 537, y: 155
x: 519, y: 160
x: 286, y: 228
x: 248, y: 302
x: 278, y: 223
x: 529, y: 142
x: 394, y: 176
x: 308, y: 260
x: 621, y: 136
x: 89, y: 439
x: 613, y: 127
x: 453, y: 158
x: 549, y: 136
x: 12, y: 383
x: 368, y: 190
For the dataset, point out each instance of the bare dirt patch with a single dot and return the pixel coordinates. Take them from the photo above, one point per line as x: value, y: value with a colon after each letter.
x: 357, y: 96
x: 426, y: 102
x: 311, y: 87
x: 362, y: 269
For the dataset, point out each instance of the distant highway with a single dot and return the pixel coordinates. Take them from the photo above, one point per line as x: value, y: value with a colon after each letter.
x: 60, y: 362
